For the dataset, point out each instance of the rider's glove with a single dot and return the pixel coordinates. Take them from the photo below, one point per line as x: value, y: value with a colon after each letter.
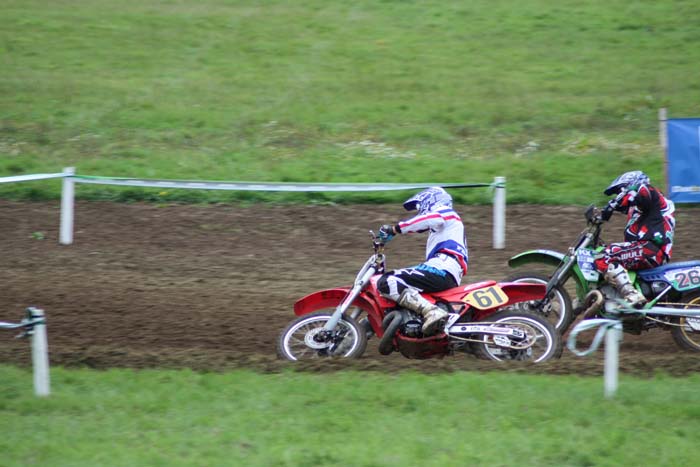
x: 607, y: 212
x: 616, y: 203
x: 386, y: 233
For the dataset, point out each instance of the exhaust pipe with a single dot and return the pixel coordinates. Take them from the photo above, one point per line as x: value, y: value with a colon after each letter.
x: 592, y: 303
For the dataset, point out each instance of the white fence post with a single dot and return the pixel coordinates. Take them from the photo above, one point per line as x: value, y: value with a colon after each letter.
x: 499, y: 213
x: 40, y: 353
x: 67, y: 203
x: 611, y: 331
x: 34, y: 325
x: 612, y: 359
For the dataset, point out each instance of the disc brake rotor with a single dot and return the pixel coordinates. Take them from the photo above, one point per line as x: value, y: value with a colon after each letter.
x: 528, y: 339
x: 311, y: 342
x: 501, y: 341
x: 694, y: 323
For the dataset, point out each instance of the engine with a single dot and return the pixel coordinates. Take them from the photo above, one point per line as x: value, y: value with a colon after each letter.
x: 412, y: 328
x: 412, y: 344
x: 612, y: 297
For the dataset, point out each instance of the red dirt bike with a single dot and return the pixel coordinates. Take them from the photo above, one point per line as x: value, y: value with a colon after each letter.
x: 481, y: 320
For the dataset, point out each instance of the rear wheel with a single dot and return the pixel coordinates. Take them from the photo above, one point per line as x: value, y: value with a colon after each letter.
x: 687, y: 332
x: 542, y: 342
x: 557, y: 307
x: 305, y: 338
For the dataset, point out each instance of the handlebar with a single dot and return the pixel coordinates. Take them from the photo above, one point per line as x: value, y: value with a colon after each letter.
x: 592, y: 230
x: 593, y: 215
x: 379, y: 258
x: 376, y: 243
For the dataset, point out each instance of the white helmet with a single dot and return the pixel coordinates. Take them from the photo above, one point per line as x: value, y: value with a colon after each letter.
x: 428, y: 200
x: 628, y: 180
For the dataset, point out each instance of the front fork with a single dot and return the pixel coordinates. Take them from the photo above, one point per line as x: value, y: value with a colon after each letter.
x: 558, y: 277
x: 329, y: 334
x: 362, y: 280
x: 561, y: 274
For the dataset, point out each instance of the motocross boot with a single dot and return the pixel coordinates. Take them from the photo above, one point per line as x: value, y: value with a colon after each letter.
x: 432, y: 314
x: 618, y: 277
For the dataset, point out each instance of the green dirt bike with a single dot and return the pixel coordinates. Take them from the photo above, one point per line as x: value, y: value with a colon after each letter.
x: 675, y: 285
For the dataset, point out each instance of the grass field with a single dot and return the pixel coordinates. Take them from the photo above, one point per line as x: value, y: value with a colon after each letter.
x: 555, y: 96
x: 173, y: 418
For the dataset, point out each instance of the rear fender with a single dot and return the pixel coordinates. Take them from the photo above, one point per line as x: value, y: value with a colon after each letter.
x: 515, y: 292
x: 547, y: 257
x: 522, y: 291
x: 331, y: 298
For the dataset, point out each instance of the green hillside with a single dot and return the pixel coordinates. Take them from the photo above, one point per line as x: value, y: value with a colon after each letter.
x: 556, y: 96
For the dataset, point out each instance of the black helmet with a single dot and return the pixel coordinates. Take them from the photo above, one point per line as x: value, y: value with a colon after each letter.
x: 627, y: 181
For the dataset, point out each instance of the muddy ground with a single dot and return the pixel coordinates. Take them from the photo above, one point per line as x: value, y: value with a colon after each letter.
x: 211, y: 287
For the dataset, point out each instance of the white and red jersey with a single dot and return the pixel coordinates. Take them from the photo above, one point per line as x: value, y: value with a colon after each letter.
x: 446, y: 248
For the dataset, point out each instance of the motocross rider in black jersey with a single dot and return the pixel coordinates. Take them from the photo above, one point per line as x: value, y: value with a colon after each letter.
x: 648, y: 234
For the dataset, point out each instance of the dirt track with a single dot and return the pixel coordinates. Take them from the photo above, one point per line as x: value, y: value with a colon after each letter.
x: 211, y: 287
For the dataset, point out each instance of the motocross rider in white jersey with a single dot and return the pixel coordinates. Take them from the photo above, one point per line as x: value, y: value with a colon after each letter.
x: 446, y: 256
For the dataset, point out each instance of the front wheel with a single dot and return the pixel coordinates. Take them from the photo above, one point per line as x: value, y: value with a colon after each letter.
x: 305, y: 338
x: 541, y: 340
x: 686, y: 333
x: 557, y: 307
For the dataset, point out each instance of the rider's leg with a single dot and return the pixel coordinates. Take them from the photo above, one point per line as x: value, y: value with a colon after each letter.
x: 404, y: 287
x: 618, y: 277
x: 618, y: 257
x: 411, y: 298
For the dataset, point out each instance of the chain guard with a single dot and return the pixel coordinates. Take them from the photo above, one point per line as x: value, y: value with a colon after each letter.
x: 501, y: 334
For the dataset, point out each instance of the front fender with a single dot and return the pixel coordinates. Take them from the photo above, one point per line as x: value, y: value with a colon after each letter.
x: 554, y: 259
x: 547, y: 257
x: 331, y: 298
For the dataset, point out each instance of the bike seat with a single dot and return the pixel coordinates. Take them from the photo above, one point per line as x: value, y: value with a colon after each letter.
x: 659, y: 273
x: 461, y: 290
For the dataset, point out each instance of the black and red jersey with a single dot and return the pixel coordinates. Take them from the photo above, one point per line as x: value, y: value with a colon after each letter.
x: 650, y: 217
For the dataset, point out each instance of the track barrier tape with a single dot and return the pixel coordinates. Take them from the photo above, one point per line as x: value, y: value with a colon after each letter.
x: 603, y: 325
x: 265, y: 186
x: 245, y: 186
x: 29, y: 178
x: 70, y: 178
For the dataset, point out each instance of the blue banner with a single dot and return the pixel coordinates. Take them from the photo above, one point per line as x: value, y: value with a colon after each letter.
x: 684, y: 159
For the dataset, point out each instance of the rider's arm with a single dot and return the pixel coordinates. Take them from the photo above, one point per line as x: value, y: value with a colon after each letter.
x: 421, y: 223
x: 619, y: 203
x: 640, y: 198
x: 614, y: 205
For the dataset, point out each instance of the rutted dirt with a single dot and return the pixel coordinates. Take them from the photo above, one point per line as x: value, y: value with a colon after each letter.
x: 211, y: 287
